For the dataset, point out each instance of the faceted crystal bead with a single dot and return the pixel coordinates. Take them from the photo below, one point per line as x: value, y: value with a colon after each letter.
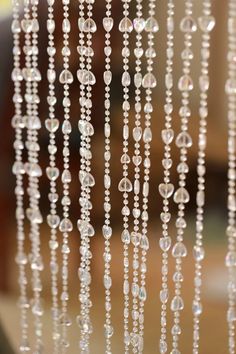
x: 66, y: 225
x: 177, y: 304
x: 18, y: 168
x: 144, y: 242
x: 108, y: 331
x: 137, y: 133
x: 125, y: 185
x: 188, y: 24
x: 187, y: 54
x: 167, y: 163
x: 107, y: 76
x: 52, y: 173
x: 167, y: 136
x: 17, y: 74
x: 198, y: 253
x: 142, y: 294
x: 149, y: 81
x: 66, y: 127
x: 107, y: 231
x: 151, y: 25
x: 89, y: 25
x: 139, y: 24
x: 138, y: 52
x: 126, y: 80
x: 179, y: 250
x: 206, y: 23
x: 185, y: 83
x: 108, y: 23
x: 169, y: 81
x: 137, y: 160
x: 204, y: 83
x: 33, y: 169
x: 66, y: 176
x: 66, y: 27
x: 26, y: 25
x: 230, y: 260
x: 147, y: 135
x: 182, y: 167
x: 165, y: 243
x: 84, y: 324
x: 86, y: 77
x: 183, y: 140
x: 166, y: 190
x: 87, y: 180
x: 66, y: 77
x: 52, y: 124
x: 138, y: 82
x: 197, y: 308
x: 107, y: 281
x: 164, y: 295
x: 50, y: 25
x: 200, y: 198
x: 150, y: 53
x: 15, y: 26
x: 125, y: 25
x: 135, y: 238
x: 53, y: 221
x: 125, y: 237
x: 163, y: 346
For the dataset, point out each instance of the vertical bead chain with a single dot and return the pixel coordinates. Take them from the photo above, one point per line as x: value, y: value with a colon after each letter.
x: 139, y: 24
x: 18, y: 170
x: 206, y: 24
x: 149, y: 82
x: 166, y: 188
x: 87, y: 79
x: 66, y: 226
x: 107, y: 230
x: 125, y: 186
x: 32, y: 76
x: 181, y: 195
x: 230, y: 89
x: 53, y: 220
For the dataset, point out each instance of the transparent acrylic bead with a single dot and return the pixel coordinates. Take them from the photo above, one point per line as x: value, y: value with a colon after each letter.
x: 66, y: 225
x: 89, y: 25
x: 151, y: 25
x: 66, y: 27
x: 183, y: 140
x: 66, y: 77
x: 185, y: 83
x: 125, y: 185
x: 125, y: 25
x: 188, y: 24
x: 147, y: 135
x: 166, y: 190
x: 86, y: 77
x: 52, y: 124
x: 52, y: 173
x: 179, y: 250
x: 197, y: 308
x: 206, y: 23
x: 139, y: 24
x: 108, y: 331
x: 125, y: 237
x: 164, y: 295
x: 181, y: 195
x: 108, y: 23
x: 165, y: 243
x: 177, y: 304
x: 53, y: 221
x: 149, y: 81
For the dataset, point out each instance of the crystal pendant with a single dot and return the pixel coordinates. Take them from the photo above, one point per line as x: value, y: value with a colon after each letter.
x: 165, y: 243
x: 181, y: 195
x: 177, y: 304
x: 89, y: 25
x: 125, y: 25
x: 183, y: 140
x: 125, y: 185
x: 149, y: 81
x: 206, y: 23
x: 166, y: 190
x: 188, y: 25
x: 185, y: 83
x: 179, y: 250
x: 66, y: 77
x: 139, y: 24
x: 108, y: 23
x: 151, y: 25
x: 66, y: 225
x: 52, y: 124
x: 167, y: 136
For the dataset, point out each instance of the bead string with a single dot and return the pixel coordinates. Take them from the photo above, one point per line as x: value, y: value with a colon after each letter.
x: 166, y: 188
x: 107, y: 230
x: 18, y: 169
x: 53, y: 220
x: 231, y: 229
x: 181, y: 195
x: 206, y: 24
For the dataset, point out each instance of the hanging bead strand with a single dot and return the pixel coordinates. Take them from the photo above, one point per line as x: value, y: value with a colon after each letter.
x: 108, y: 23
x: 181, y: 195
x: 149, y: 82
x: 18, y: 170
x: 87, y: 80
x: 53, y: 220
x: 230, y: 89
x: 66, y: 226
x: 166, y: 189
x: 32, y: 76
x: 139, y: 24
x: 125, y: 185
x: 206, y: 24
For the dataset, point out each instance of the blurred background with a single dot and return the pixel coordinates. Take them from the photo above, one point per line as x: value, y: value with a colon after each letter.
x: 215, y: 276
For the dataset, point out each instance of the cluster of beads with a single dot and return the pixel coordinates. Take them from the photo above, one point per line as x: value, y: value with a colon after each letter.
x: 87, y: 80
x: 166, y: 188
x: 206, y: 24
x: 230, y: 89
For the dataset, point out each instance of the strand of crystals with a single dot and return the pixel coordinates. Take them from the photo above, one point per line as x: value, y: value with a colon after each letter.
x: 230, y: 89
x: 138, y: 24
x: 149, y: 82
x: 66, y: 226
x: 18, y: 170
x: 87, y: 80
x: 108, y: 23
x: 181, y: 195
x: 206, y: 24
x: 32, y: 76
x: 53, y: 220
x: 125, y: 185
x: 166, y: 189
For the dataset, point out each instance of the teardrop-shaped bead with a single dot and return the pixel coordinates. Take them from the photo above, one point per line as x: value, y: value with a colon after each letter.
x: 198, y: 253
x: 149, y: 81
x: 87, y: 180
x: 125, y: 237
x: 164, y: 294
x: 125, y: 25
x: 147, y: 135
x: 185, y: 83
x: 126, y: 79
x: 179, y: 250
x: 188, y: 24
x: 89, y: 25
x: 107, y: 77
x: 108, y: 23
x: 167, y: 136
x: 181, y: 195
x: 151, y: 25
x: 85, y: 128
x: 183, y: 140
x: 125, y: 185
x: 165, y: 243
x: 137, y: 133
x: 166, y: 190
x: 66, y: 77
x: 177, y: 304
